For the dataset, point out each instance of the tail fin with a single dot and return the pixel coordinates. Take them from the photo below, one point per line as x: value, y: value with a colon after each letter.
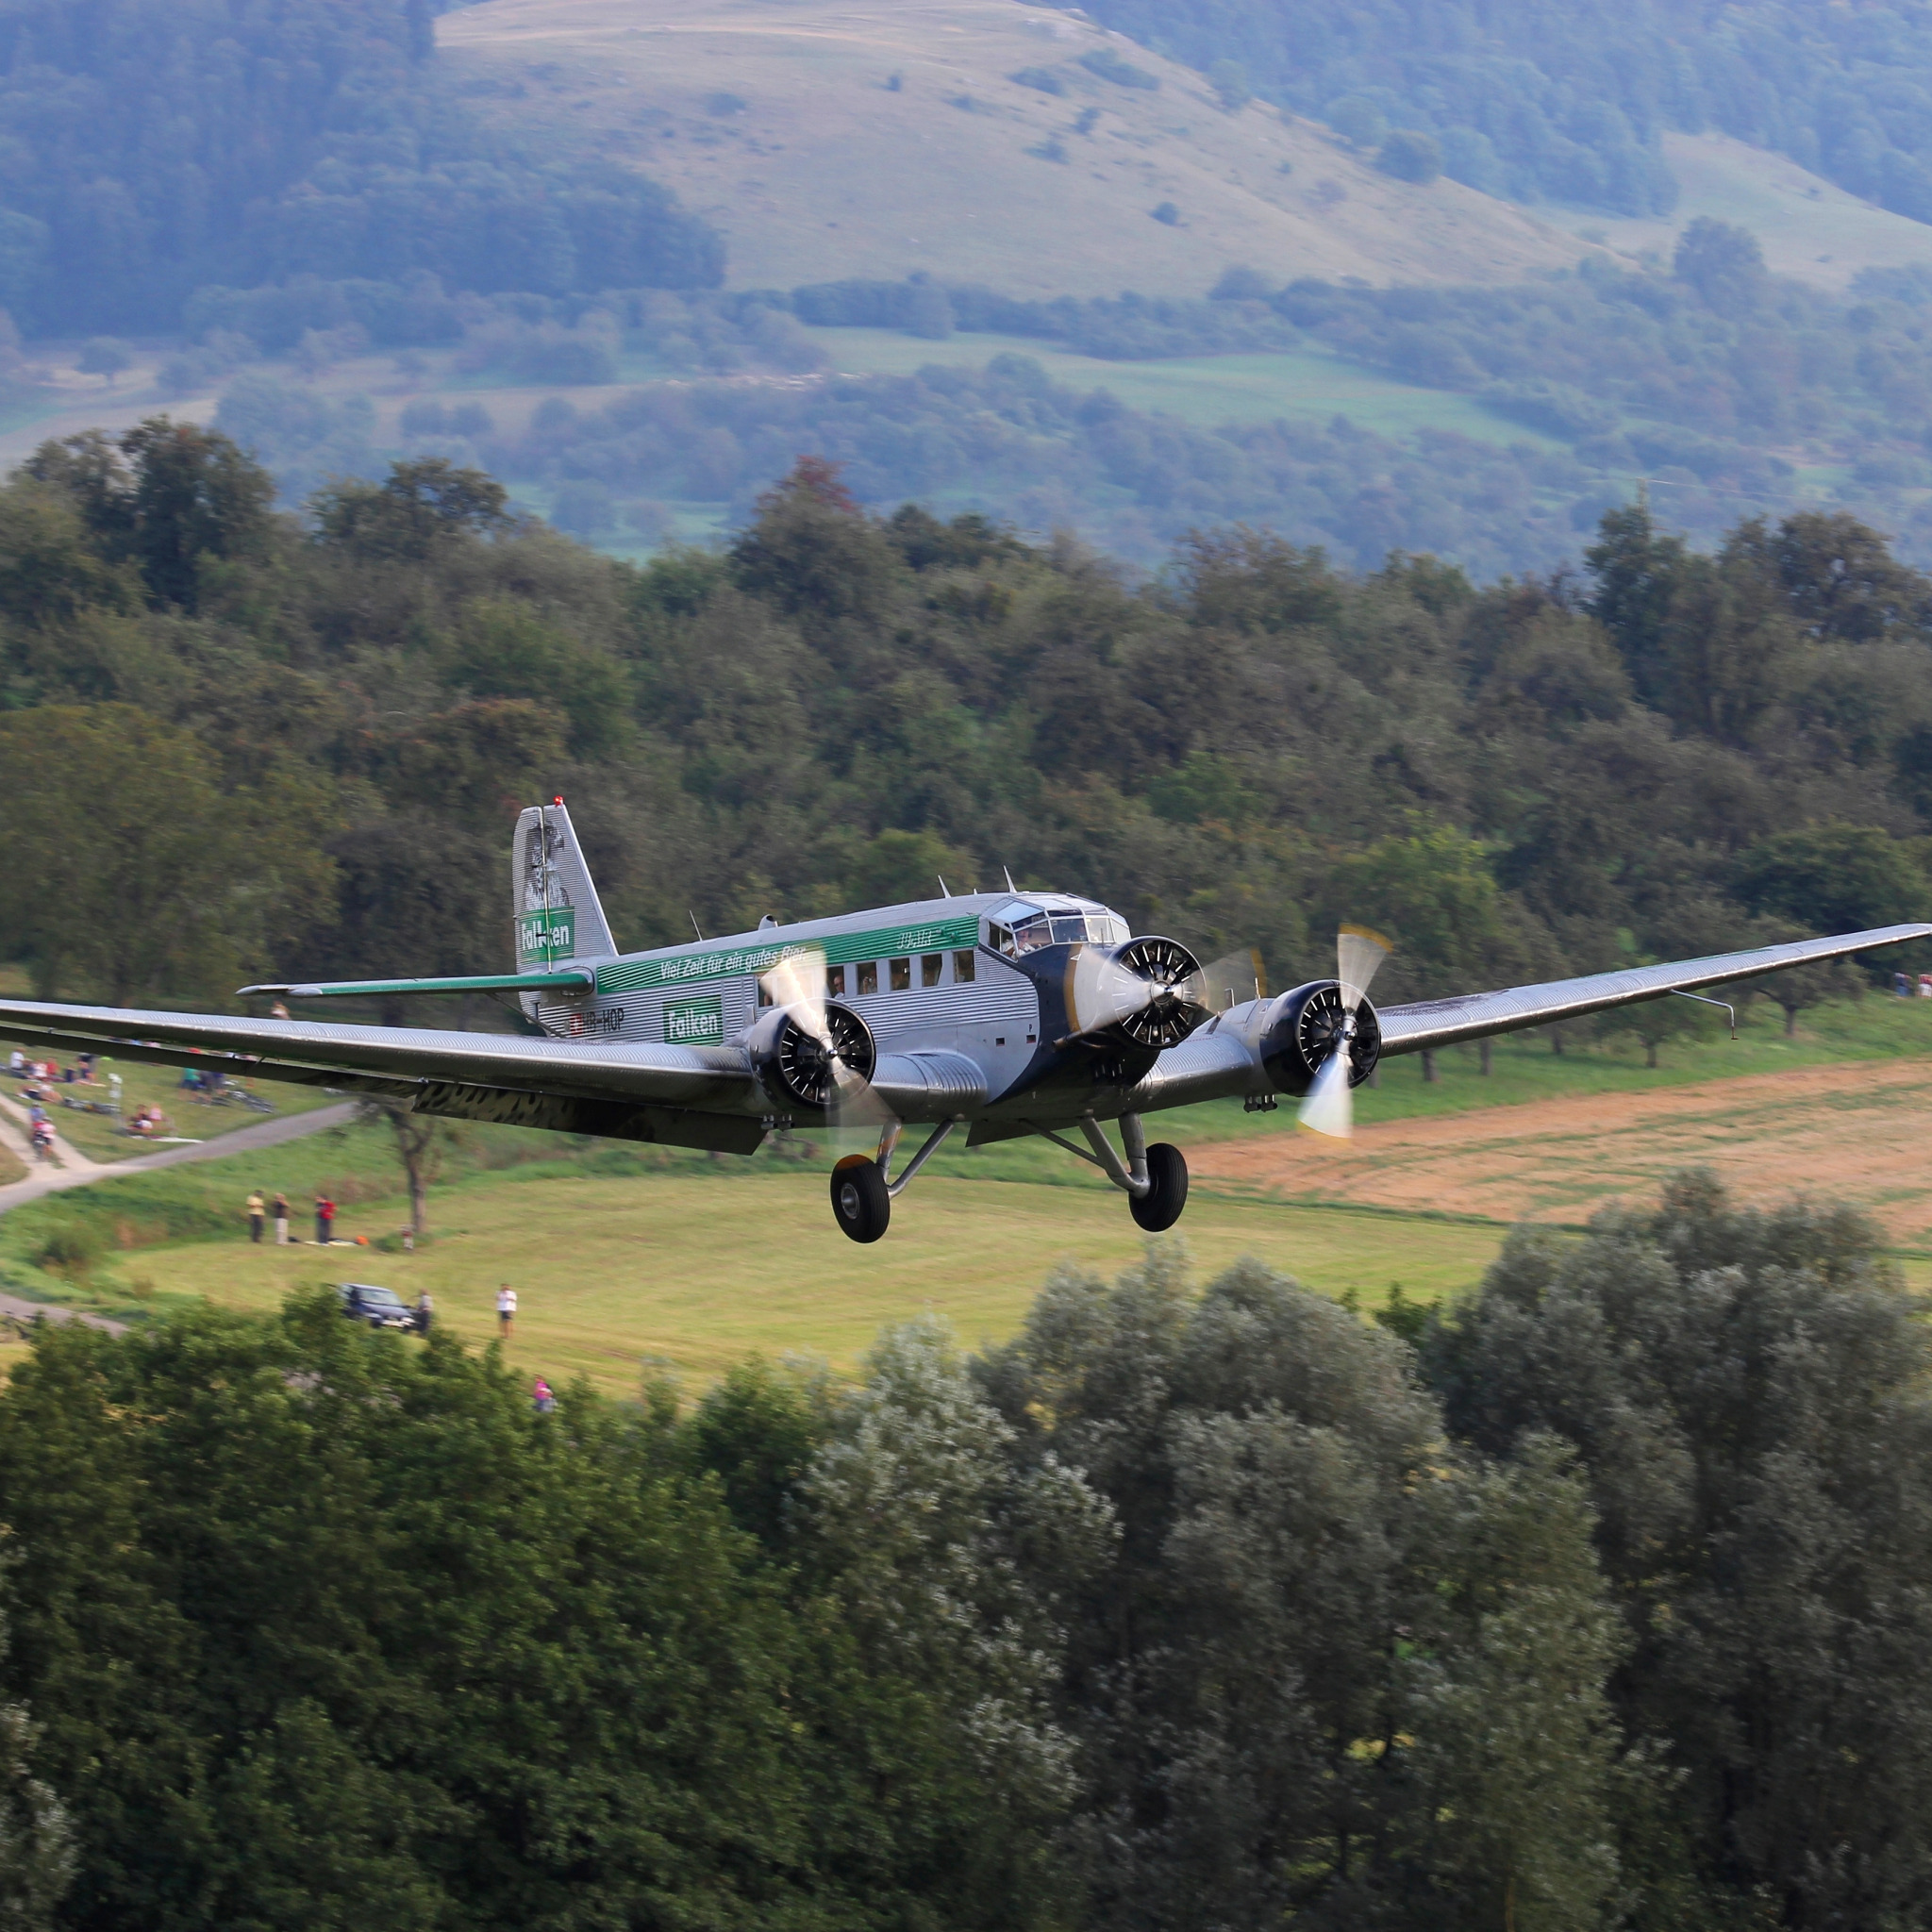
x: 557, y: 914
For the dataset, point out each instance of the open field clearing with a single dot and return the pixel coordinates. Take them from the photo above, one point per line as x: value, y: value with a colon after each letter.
x: 699, y: 1271
x: 1856, y: 1134
x: 1809, y: 227
x: 1205, y: 390
x: 876, y: 141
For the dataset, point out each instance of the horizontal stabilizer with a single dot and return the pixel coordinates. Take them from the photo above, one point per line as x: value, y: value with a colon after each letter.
x: 558, y: 979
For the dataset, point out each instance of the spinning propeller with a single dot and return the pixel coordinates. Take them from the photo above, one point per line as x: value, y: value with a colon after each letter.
x: 1153, y: 989
x: 1329, y: 1104
x: 826, y: 1055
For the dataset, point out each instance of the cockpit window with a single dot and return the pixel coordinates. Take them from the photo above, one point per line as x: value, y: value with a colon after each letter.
x: 1027, y: 929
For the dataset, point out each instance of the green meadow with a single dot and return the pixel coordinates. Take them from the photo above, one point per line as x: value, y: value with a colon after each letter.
x: 626, y: 1257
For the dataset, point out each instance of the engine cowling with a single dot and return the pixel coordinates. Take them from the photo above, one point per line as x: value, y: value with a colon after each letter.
x: 1300, y: 1033
x: 793, y: 1065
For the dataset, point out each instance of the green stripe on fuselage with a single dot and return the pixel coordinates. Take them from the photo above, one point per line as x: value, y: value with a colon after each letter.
x: 841, y: 949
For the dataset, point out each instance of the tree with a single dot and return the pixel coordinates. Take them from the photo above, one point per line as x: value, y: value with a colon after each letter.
x: 1722, y: 262
x: 1433, y: 894
x: 417, y: 1137
x: 1314, y: 1635
x: 1229, y: 80
x: 1841, y: 580
x: 1410, y: 156
x: 1800, y: 987
x: 36, y: 1852
x: 1653, y: 1022
x: 168, y: 496
x: 1637, y: 572
x: 1832, y: 878
x: 385, y: 1648
x: 1359, y: 121
x: 136, y: 876
x: 421, y: 505
x: 1747, y: 1395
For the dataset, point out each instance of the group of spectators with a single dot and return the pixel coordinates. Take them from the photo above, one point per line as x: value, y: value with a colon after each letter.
x: 261, y: 1208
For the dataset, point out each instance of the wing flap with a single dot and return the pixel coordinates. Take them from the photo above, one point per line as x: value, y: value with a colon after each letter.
x: 1430, y: 1023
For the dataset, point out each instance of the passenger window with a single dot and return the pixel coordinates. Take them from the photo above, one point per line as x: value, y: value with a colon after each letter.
x: 869, y: 977
x: 902, y: 975
x: 962, y: 968
x: 764, y: 994
x: 835, y: 982
x: 931, y: 967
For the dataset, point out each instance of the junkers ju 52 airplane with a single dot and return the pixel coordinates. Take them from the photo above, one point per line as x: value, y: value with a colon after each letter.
x: 1007, y: 1013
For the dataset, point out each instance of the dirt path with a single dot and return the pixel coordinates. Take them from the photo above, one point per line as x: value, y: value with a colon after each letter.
x: 78, y: 1171
x: 1860, y: 1133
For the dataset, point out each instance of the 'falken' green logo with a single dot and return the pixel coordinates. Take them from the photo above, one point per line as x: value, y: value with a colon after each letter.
x: 693, y: 1023
x: 547, y: 935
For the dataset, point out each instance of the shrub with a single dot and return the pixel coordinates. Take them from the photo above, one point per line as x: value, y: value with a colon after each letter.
x: 1410, y: 156
x: 1229, y: 80
x: 1107, y: 65
x: 1359, y: 122
x: 1240, y: 284
x: 70, y: 1248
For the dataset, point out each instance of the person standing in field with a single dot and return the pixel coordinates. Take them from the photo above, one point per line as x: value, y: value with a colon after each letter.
x: 325, y: 1220
x: 426, y: 1313
x: 279, y: 1208
x: 257, y: 1209
x: 542, y: 1397
x: 505, y: 1310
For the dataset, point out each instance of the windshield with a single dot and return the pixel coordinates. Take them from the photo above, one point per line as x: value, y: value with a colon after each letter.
x: 1026, y: 928
x: 377, y: 1297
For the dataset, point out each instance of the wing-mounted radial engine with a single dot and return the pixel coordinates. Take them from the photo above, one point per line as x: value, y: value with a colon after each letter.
x: 1322, y: 1040
x: 809, y: 1052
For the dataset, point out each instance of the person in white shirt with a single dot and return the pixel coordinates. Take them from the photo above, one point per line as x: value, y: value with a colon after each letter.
x: 505, y: 1310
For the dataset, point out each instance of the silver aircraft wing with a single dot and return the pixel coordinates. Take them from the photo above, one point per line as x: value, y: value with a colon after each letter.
x: 692, y: 1096
x: 1470, y: 1016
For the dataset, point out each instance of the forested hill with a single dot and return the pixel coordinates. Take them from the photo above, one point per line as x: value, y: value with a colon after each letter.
x: 150, y: 147
x: 1564, y: 99
x: 1663, y: 754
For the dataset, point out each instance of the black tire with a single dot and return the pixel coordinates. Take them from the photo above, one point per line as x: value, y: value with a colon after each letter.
x: 861, y: 1204
x: 1160, y: 1208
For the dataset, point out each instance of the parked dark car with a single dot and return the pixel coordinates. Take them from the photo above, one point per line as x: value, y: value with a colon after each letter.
x: 381, y: 1307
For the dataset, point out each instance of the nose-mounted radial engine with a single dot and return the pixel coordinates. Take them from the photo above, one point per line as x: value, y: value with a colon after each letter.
x: 1145, y: 994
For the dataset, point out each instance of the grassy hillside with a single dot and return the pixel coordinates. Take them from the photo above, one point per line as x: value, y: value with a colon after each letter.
x: 1809, y: 228
x: 879, y: 142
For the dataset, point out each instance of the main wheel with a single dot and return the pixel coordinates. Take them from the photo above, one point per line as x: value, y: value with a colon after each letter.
x: 1160, y: 1208
x: 861, y: 1204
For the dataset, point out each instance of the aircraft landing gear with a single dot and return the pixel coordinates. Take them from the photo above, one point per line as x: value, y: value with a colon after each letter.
x: 1155, y: 1179
x: 861, y: 1203
x: 863, y: 1189
x: 1160, y: 1208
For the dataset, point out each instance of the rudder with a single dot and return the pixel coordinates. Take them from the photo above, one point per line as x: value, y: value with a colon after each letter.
x: 559, y: 915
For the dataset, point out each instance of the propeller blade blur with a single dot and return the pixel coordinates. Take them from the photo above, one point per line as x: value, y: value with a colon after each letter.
x: 1229, y: 981
x: 1358, y: 956
x: 1103, y: 992
x: 797, y: 983
x: 1328, y: 1106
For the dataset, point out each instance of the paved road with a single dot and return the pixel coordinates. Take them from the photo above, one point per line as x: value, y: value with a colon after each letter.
x: 78, y: 1171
